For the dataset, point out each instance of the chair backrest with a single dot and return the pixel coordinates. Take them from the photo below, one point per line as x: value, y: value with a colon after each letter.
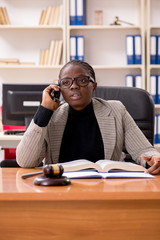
x: 139, y: 104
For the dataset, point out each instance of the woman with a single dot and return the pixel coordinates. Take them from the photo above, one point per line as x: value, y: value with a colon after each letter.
x: 82, y: 126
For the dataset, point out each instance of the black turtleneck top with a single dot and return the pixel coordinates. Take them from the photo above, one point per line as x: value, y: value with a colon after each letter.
x: 82, y: 137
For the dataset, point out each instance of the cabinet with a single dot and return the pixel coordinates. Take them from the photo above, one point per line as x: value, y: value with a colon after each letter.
x: 24, y: 38
x: 105, y: 45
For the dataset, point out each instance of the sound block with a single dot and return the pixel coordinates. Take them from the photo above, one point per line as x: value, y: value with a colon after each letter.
x: 56, y: 181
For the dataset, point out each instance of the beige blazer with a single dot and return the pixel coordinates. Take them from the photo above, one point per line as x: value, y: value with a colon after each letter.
x: 116, y: 125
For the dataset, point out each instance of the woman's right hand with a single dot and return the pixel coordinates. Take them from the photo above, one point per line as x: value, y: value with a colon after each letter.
x: 47, y: 100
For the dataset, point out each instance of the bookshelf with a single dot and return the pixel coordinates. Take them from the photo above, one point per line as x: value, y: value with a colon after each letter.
x: 152, y: 27
x: 105, y: 47
x: 24, y: 38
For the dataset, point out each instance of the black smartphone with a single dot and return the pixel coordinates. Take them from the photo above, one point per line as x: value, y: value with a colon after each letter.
x: 55, y: 95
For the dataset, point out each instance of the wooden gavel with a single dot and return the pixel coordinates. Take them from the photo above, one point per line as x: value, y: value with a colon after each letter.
x: 50, y: 171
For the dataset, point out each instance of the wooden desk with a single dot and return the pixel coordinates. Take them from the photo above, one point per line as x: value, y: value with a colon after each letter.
x: 127, y: 209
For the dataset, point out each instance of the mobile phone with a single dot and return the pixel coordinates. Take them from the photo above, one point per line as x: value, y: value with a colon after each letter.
x: 55, y: 95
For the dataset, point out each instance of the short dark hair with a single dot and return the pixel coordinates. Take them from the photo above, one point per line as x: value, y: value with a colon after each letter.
x: 83, y: 64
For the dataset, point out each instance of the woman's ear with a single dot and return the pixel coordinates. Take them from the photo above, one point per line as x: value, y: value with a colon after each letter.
x: 94, y: 86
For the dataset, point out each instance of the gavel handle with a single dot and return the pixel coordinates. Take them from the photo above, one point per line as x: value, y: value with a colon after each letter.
x: 27, y: 175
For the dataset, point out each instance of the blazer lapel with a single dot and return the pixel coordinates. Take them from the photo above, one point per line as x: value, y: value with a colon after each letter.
x: 107, y: 127
x: 59, y: 119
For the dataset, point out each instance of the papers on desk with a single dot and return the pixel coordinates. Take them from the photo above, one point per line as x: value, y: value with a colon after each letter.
x: 116, y: 174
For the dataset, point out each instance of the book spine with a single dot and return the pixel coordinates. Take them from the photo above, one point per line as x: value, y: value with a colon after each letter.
x: 80, y: 48
x: 51, y: 52
x: 155, y: 129
x: 158, y: 49
x: 138, y: 49
x: 153, y: 87
x: 43, y: 15
x: 130, y: 49
x: 138, y: 81
x: 158, y: 89
x: 158, y: 128
x: 129, y: 80
x: 59, y: 52
x: 80, y: 12
x: 72, y: 6
x: 153, y: 49
x: 73, y: 47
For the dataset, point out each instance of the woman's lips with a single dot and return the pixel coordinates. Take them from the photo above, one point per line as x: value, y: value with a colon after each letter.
x: 75, y: 96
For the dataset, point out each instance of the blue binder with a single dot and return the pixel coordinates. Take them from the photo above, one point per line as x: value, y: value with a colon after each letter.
x: 138, y: 49
x: 130, y: 49
x: 72, y: 11
x: 156, y: 129
x: 158, y: 50
x: 153, y: 87
x: 138, y: 81
x: 153, y: 49
x: 80, y: 48
x: 73, y: 43
x: 129, y: 80
x: 158, y: 89
x: 80, y: 12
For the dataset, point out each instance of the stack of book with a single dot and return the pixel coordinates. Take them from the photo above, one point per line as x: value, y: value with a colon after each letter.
x: 13, y: 61
x: 53, y: 15
x: 133, y: 80
x: 77, y: 12
x: 4, y: 20
x: 134, y: 49
x: 155, y: 49
x: 52, y: 56
x: 155, y: 88
x: 77, y: 48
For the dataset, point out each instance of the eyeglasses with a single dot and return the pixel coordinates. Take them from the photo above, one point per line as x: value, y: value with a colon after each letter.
x: 81, y: 81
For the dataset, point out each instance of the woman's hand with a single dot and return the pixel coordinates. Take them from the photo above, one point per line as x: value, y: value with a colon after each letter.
x: 154, y: 162
x: 47, y: 100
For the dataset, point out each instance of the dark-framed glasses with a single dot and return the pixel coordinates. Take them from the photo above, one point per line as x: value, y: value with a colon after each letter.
x: 81, y: 81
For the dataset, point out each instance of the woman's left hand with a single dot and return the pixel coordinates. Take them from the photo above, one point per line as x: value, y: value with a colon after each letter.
x: 154, y: 162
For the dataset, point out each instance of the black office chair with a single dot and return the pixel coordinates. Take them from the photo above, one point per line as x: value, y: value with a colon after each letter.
x: 139, y: 104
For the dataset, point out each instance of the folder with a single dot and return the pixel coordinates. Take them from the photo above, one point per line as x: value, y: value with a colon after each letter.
x: 80, y: 48
x: 155, y: 129
x: 153, y: 49
x: 130, y: 49
x: 80, y: 12
x: 158, y: 89
x: 73, y: 47
x: 153, y: 87
x: 72, y: 10
x: 138, y: 81
x: 158, y: 50
x: 158, y: 128
x: 138, y: 49
x: 129, y: 80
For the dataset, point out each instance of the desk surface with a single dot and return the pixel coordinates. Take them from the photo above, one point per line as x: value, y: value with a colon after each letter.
x: 13, y: 187
x: 86, y: 209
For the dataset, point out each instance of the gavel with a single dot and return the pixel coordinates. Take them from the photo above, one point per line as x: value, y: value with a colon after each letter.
x: 50, y: 171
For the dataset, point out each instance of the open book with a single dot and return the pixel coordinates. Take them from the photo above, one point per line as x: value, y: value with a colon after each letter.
x: 102, y: 166
x: 104, y: 169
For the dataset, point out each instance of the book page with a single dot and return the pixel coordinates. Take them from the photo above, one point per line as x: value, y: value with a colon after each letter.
x: 107, y: 165
x: 80, y: 164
